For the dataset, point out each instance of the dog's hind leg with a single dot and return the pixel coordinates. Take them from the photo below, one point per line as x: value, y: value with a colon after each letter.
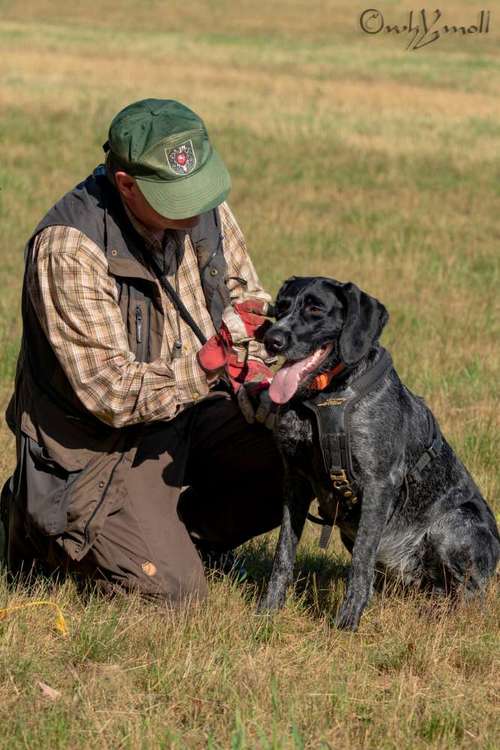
x: 462, y: 550
x: 297, y: 499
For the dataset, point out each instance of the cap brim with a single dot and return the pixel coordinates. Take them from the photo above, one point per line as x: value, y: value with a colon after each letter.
x: 191, y: 195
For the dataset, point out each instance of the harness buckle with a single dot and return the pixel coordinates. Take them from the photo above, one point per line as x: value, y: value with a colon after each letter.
x: 339, y: 478
x: 342, y: 484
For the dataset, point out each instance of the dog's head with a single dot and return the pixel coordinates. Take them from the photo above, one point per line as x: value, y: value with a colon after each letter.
x: 320, y: 323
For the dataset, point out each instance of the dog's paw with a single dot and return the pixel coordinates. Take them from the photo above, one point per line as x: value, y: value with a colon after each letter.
x: 349, y: 615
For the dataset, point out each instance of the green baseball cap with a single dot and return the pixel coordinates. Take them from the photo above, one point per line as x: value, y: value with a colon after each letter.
x: 164, y: 145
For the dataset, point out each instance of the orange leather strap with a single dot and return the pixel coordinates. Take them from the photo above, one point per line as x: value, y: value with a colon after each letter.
x: 320, y: 382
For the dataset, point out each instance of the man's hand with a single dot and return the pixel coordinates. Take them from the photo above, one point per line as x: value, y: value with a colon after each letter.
x: 213, y: 355
x: 256, y: 405
x: 227, y: 351
x: 219, y: 357
x: 253, y: 313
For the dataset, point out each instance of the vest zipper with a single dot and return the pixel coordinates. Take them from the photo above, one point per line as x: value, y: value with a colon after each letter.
x: 147, y: 334
x: 138, y: 324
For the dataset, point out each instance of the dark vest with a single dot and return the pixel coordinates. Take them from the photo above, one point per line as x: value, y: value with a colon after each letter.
x: 94, y: 208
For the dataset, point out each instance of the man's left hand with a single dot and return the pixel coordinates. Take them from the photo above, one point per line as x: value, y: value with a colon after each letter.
x: 256, y: 405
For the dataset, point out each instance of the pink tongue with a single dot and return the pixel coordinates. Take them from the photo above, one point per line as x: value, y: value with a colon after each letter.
x: 287, y: 380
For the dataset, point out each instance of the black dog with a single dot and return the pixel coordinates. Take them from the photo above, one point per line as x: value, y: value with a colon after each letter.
x: 352, y: 435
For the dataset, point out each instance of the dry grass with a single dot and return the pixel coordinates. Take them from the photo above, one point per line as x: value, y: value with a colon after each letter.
x: 352, y: 158
x: 133, y: 675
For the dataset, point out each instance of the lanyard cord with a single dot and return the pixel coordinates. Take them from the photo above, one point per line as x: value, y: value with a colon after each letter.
x: 178, y: 342
x: 175, y: 299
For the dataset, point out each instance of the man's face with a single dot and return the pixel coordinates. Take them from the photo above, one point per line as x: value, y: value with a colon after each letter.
x: 141, y: 209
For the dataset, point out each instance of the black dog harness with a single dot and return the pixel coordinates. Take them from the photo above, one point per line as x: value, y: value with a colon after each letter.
x: 333, y: 414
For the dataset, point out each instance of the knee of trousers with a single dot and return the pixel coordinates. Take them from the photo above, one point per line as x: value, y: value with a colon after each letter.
x: 162, y: 585
x: 173, y: 578
x: 190, y: 589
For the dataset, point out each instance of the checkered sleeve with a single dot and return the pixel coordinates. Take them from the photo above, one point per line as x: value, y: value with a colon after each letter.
x: 76, y: 301
x: 243, y: 282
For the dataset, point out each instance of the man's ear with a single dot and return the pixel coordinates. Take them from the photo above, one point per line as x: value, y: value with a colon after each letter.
x: 124, y: 183
x: 365, y: 317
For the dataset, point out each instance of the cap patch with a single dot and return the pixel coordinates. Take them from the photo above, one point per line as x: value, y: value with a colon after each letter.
x: 181, y: 159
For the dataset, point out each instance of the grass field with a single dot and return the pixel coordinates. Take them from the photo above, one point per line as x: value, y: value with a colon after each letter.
x: 351, y: 157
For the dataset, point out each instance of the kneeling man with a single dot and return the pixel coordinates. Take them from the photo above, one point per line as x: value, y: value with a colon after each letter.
x: 140, y: 310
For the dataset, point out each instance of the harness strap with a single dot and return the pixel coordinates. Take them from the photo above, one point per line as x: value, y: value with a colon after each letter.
x: 324, y: 537
x: 333, y: 421
x: 316, y: 519
x: 369, y: 378
x: 326, y: 531
x: 333, y: 425
x: 436, y: 441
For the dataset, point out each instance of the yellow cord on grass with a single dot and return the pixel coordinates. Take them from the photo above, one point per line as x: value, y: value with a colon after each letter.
x: 60, y: 620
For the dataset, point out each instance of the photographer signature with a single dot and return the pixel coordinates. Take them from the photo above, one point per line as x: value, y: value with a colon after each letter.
x: 421, y: 25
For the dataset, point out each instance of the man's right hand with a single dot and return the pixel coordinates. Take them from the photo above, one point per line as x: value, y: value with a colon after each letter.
x: 220, y: 355
x: 218, y: 358
x: 212, y: 356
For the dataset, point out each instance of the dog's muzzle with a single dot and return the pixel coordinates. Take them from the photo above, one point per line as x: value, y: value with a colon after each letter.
x: 287, y: 380
x: 276, y: 340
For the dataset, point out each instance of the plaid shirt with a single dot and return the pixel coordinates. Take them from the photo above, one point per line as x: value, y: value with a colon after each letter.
x: 76, y: 301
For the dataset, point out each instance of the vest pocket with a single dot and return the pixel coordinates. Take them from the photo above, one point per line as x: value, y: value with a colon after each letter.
x: 48, y: 490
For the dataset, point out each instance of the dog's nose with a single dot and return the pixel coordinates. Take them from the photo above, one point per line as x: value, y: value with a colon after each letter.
x: 275, y: 341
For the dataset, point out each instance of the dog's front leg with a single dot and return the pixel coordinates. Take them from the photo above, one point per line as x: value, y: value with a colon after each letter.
x: 377, y: 502
x: 297, y: 497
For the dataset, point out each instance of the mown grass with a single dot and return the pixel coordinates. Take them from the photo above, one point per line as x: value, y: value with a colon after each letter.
x: 351, y: 158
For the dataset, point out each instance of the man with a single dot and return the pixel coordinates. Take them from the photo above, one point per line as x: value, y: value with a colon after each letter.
x: 140, y: 312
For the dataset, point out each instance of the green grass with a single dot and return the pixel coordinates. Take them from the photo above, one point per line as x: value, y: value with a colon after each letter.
x: 351, y: 158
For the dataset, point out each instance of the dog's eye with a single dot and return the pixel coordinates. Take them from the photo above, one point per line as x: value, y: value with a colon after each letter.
x: 313, y: 311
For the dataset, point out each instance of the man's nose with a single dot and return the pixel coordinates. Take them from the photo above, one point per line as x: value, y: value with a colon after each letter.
x: 275, y: 340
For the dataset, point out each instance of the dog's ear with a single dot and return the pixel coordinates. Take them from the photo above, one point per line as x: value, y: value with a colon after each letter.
x: 365, y: 317
x: 271, y: 313
x: 286, y: 283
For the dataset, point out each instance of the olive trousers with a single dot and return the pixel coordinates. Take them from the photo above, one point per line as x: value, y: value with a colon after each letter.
x: 207, y: 475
